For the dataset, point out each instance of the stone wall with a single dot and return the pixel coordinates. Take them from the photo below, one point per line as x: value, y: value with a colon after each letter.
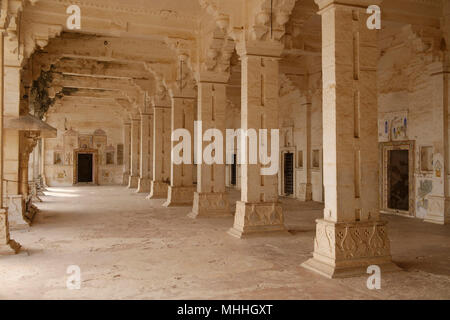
x: 101, y: 130
x: 406, y: 108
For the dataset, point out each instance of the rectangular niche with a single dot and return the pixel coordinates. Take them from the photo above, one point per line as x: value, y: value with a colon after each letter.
x: 316, y: 159
x: 120, y: 154
x: 57, y: 158
x: 300, y: 159
x: 110, y: 157
x: 426, y: 159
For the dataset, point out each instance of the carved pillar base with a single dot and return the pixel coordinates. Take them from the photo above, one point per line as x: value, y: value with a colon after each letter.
x: 126, y: 179
x: 347, y: 249
x: 158, y: 190
x: 258, y: 219
x: 210, y: 205
x: 30, y: 213
x: 7, y: 246
x: 17, y: 214
x: 305, y: 192
x: 133, y: 182
x: 143, y: 185
x: 179, y: 196
x: 438, y: 210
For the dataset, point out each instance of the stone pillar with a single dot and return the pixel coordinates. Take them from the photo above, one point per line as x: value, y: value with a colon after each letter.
x: 126, y: 152
x: 144, y: 179
x: 42, y: 163
x: 28, y: 142
x: 351, y: 235
x: 161, y: 152
x: 7, y: 245
x: 134, y: 161
x: 211, y: 200
x: 305, y: 192
x: 181, y: 189
x: 259, y: 212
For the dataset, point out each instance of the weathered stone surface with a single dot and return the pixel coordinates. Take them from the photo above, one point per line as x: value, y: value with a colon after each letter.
x: 210, y: 205
x: 258, y: 219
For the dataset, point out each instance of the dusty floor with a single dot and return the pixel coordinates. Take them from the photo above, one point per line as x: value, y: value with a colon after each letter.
x: 131, y: 248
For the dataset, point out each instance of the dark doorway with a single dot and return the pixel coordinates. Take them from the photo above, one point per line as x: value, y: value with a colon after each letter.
x: 398, y: 180
x: 233, y: 171
x: 288, y: 174
x: 85, y: 167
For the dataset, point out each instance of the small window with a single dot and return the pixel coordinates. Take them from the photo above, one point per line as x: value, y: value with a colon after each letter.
x: 300, y: 159
x: 120, y: 154
x: 316, y: 159
x: 426, y: 158
x: 57, y: 158
x: 110, y: 157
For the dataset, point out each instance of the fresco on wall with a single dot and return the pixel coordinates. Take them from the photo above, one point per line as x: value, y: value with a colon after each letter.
x: 85, y: 141
x: 70, y: 143
x: 393, y: 126
x: 424, y: 189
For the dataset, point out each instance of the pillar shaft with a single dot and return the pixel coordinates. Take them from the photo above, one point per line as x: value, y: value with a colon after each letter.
x: 181, y: 189
x: 210, y: 200
x: 259, y: 211
x: 126, y: 152
x: 351, y: 236
x: 305, y: 192
x: 7, y: 246
x: 134, y: 161
x: 144, y: 179
x: 161, y: 152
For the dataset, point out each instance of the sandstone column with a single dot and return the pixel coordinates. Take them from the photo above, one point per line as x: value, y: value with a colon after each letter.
x: 181, y: 189
x: 7, y: 245
x: 126, y: 152
x: 161, y: 152
x: 211, y: 200
x: 144, y: 179
x: 351, y: 235
x: 305, y: 192
x: 259, y: 211
x: 134, y: 161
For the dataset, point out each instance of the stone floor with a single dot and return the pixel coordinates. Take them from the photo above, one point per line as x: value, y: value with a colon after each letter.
x: 131, y: 248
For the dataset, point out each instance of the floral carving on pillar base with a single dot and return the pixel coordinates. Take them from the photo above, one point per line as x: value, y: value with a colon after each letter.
x: 210, y: 205
x: 179, y: 196
x: 258, y: 219
x: 7, y: 246
x: 347, y: 249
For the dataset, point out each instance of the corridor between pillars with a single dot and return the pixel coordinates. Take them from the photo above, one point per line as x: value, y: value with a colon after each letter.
x: 211, y: 200
x: 181, y: 189
x: 351, y: 235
